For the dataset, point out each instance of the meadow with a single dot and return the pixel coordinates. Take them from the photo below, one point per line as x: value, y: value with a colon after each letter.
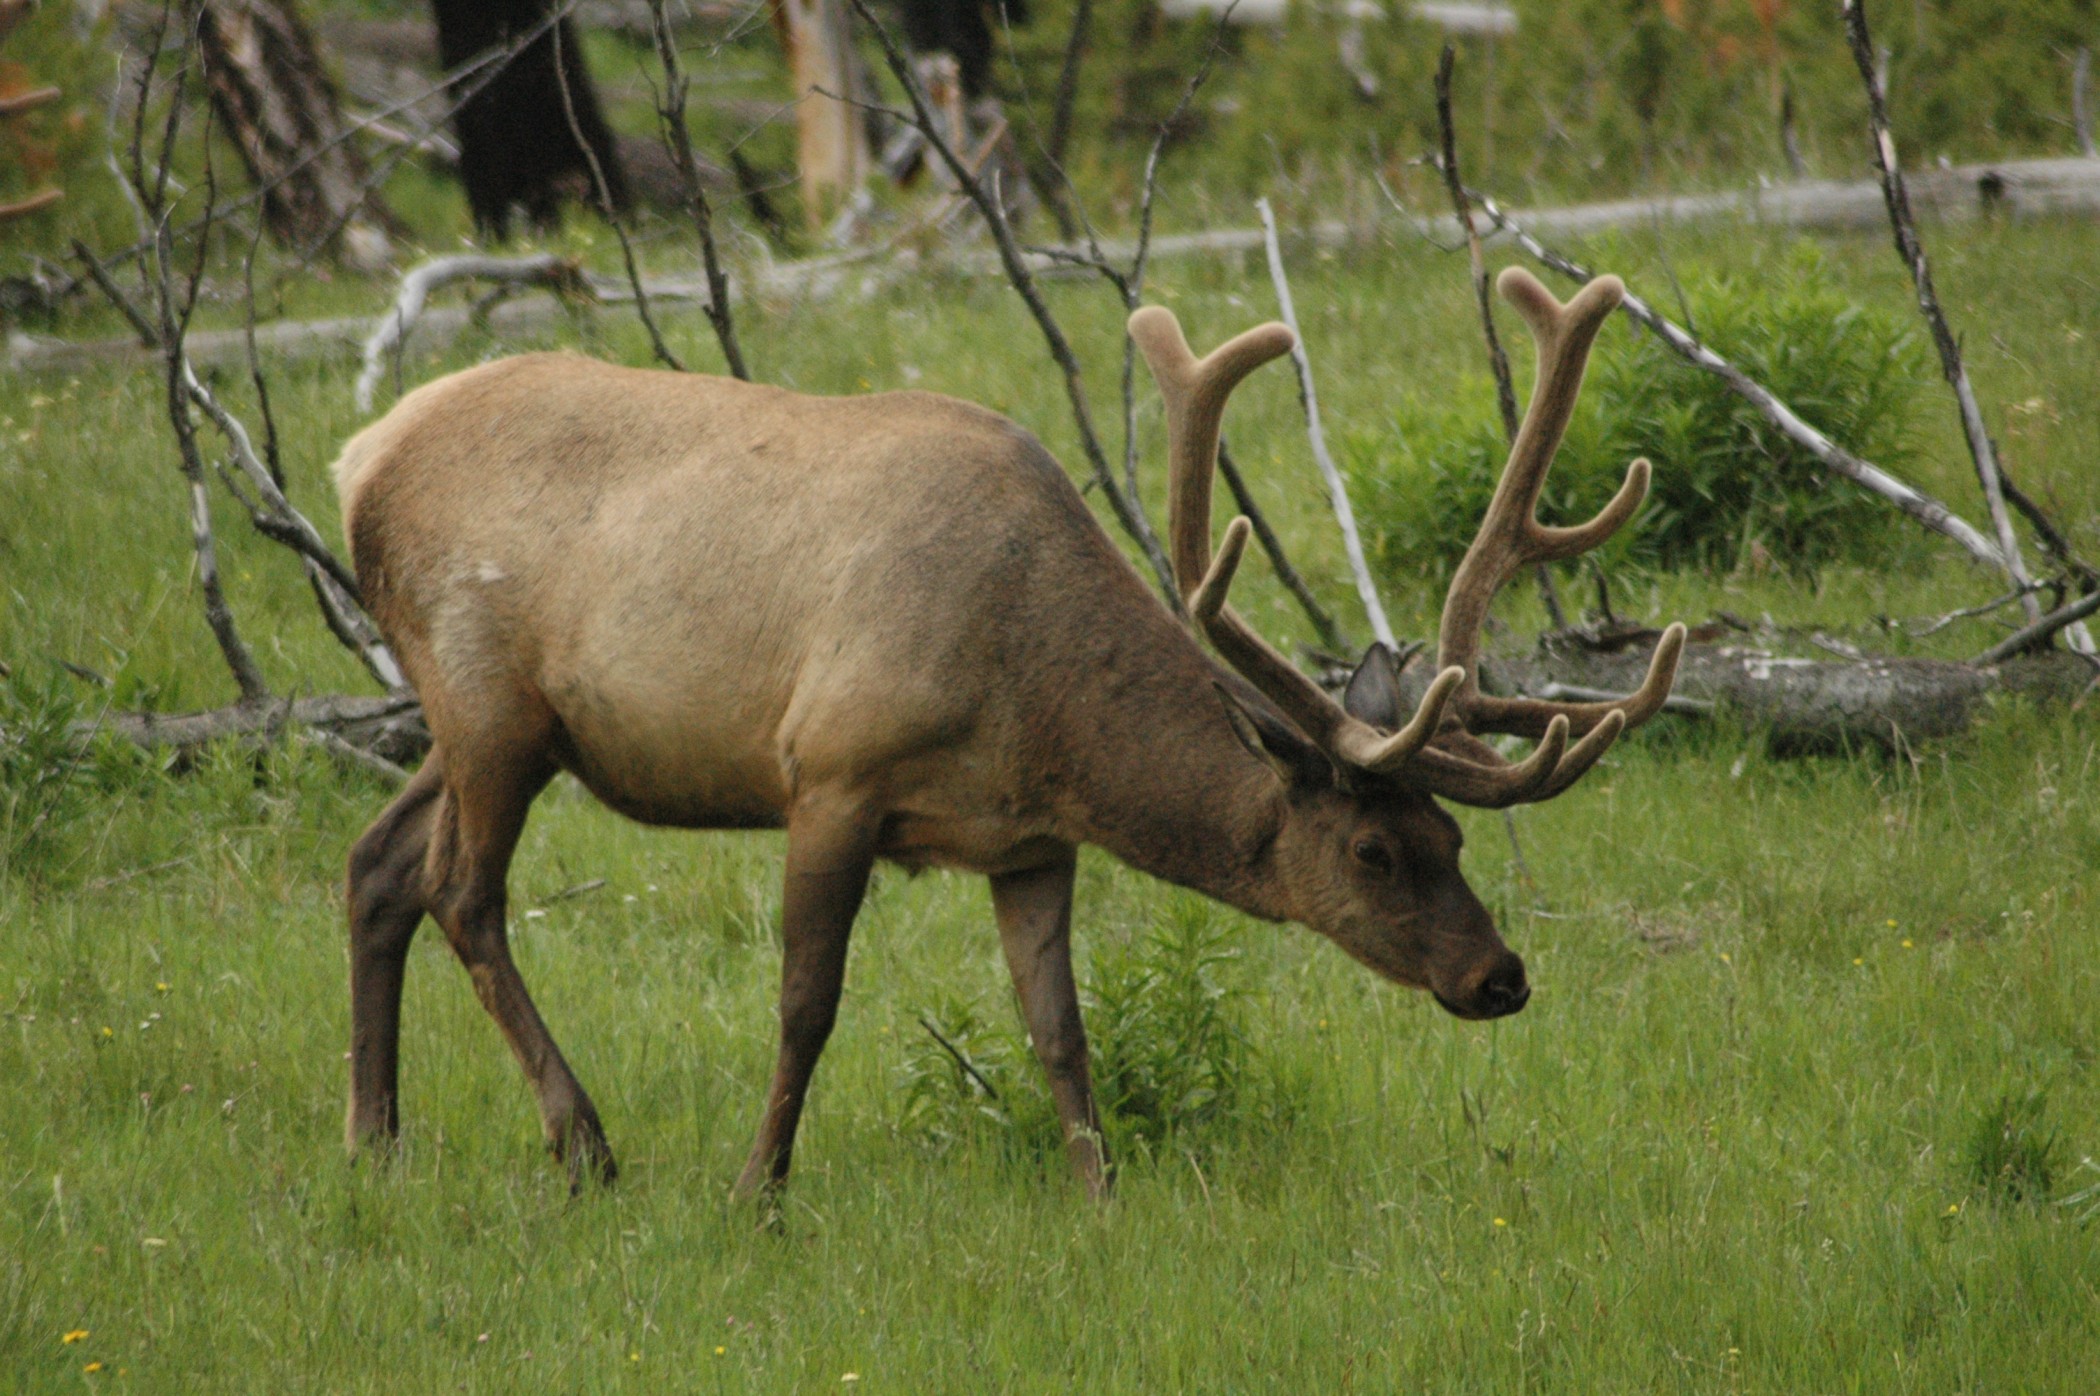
x: 1804, y: 1100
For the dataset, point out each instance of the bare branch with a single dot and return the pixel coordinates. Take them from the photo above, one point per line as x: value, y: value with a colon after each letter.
x: 1912, y: 251
x: 1498, y: 362
x: 1129, y: 512
x: 1323, y: 621
x: 603, y: 189
x: 671, y: 110
x: 2034, y: 633
x: 1337, y: 491
x: 546, y: 269
x: 1870, y: 477
x: 149, y: 337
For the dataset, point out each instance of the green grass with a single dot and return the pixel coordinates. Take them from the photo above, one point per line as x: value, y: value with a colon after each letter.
x: 1805, y: 1087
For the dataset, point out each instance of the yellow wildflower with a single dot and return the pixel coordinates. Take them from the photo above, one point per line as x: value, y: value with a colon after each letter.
x: 73, y: 1337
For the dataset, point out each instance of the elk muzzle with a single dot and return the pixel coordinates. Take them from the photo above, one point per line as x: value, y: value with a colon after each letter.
x: 1495, y: 988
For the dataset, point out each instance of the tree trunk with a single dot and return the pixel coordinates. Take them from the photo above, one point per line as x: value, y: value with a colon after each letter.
x: 517, y: 146
x: 815, y: 36
x: 277, y: 103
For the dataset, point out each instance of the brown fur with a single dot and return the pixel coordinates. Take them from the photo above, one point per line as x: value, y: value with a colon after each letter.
x: 888, y: 624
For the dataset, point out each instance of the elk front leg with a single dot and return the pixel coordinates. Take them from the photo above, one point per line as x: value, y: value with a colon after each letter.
x: 478, y: 825
x: 1034, y: 910
x: 831, y: 848
x: 386, y: 900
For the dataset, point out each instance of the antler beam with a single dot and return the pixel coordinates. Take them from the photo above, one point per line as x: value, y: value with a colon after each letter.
x: 1437, y: 750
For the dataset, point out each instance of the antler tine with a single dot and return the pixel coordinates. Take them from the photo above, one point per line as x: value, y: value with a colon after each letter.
x: 1527, y: 717
x: 1195, y: 391
x: 1467, y: 770
x: 1510, y: 536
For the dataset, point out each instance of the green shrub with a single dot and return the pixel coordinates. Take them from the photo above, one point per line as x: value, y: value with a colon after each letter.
x: 1725, y: 478
x: 1167, y: 1038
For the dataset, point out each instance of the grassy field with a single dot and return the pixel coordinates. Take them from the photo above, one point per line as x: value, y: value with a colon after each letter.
x: 1801, y: 1103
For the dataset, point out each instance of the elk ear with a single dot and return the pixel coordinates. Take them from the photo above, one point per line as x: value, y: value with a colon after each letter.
x: 1281, y: 746
x: 1373, y: 695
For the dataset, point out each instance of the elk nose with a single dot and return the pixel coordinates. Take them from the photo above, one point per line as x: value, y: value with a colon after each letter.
x: 1503, y: 990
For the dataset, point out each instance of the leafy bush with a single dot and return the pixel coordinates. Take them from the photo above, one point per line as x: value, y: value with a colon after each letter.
x: 1169, y: 1045
x: 1724, y: 479
x: 1168, y: 1042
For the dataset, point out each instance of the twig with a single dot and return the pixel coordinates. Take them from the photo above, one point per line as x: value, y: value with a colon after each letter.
x: 1922, y: 507
x: 1129, y: 512
x: 603, y: 187
x: 1062, y: 105
x: 545, y: 269
x: 1323, y: 622
x: 1912, y: 252
x: 174, y: 323
x: 148, y: 337
x: 960, y: 1060
x: 671, y: 110
x: 1498, y: 362
x: 2034, y: 633
x: 1337, y: 491
x: 355, y: 755
x: 1919, y: 631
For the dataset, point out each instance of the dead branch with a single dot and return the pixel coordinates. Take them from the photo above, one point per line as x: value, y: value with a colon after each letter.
x: 960, y: 1059
x: 671, y: 111
x: 611, y: 209
x: 1337, y: 491
x: 1981, y: 449
x: 559, y: 274
x: 2036, y: 632
x: 1870, y: 477
x: 1129, y: 512
x: 175, y: 311
x: 389, y: 728
x: 1323, y: 622
x: 149, y: 338
x: 1498, y: 362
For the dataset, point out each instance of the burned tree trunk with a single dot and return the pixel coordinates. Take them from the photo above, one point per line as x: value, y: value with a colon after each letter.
x: 511, y: 62
x: 277, y: 103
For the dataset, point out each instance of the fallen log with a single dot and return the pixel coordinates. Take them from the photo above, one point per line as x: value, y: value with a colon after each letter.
x: 388, y: 730
x: 1805, y: 705
x: 2018, y: 188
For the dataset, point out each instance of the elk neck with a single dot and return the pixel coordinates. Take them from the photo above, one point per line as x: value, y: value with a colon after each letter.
x: 1166, y: 786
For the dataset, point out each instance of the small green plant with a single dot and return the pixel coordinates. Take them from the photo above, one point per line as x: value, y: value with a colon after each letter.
x: 1169, y: 1044
x: 965, y: 1078
x: 1166, y: 1034
x: 2012, y: 1149
x: 1728, y: 487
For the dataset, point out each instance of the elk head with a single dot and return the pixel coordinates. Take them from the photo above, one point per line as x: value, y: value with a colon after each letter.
x: 1364, y: 854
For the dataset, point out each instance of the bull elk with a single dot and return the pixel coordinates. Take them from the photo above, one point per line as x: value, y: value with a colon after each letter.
x: 889, y: 625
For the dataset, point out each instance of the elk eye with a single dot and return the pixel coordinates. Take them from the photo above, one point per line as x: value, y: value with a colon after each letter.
x: 1373, y: 856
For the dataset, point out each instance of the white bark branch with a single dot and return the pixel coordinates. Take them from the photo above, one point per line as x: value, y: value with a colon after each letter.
x: 1337, y: 491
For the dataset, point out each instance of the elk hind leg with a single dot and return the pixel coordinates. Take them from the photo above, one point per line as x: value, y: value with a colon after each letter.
x: 386, y: 898
x: 1034, y: 910
x: 478, y: 825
